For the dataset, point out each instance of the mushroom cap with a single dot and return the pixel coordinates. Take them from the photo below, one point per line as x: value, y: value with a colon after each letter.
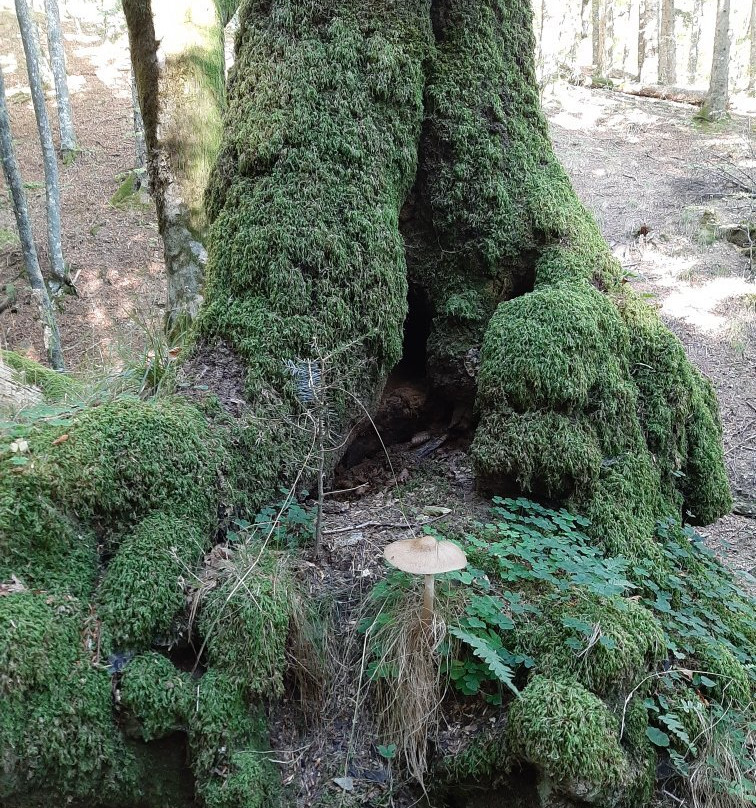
x: 425, y: 555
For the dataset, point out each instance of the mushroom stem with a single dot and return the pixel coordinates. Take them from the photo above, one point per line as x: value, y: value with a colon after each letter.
x: 428, y: 594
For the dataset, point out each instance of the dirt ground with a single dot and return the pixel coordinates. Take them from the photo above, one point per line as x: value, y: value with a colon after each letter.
x: 114, y: 254
x: 655, y: 180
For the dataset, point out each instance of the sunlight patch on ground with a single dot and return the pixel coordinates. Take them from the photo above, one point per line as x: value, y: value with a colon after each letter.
x: 696, y: 304
x: 111, y: 62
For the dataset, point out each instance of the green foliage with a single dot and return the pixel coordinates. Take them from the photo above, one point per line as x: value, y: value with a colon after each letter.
x: 142, y: 590
x: 57, y: 736
x: 227, y: 741
x: 569, y: 733
x: 158, y: 696
x: 245, y: 620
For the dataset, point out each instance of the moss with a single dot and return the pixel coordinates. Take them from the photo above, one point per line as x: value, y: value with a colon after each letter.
x: 245, y: 621
x: 732, y: 681
x: 485, y: 758
x: 156, y: 695
x: 305, y: 256
x: 228, y: 743
x: 55, y: 386
x: 57, y: 735
x: 142, y: 590
x: 569, y: 734
x: 628, y: 641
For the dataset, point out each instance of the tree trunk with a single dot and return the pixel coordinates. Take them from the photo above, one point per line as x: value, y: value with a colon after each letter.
x: 598, y: 18
x: 647, y: 40
x: 752, y: 52
x: 140, y: 145
x: 26, y: 236
x: 719, y: 90
x: 695, y: 37
x: 385, y: 198
x: 58, y: 62
x: 667, y: 43
x: 52, y: 183
x: 180, y: 74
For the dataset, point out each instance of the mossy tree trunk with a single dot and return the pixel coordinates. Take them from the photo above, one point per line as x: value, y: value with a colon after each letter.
x: 368, y: 149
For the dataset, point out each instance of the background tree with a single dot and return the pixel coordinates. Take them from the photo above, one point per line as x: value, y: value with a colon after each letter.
x: 647, y: 37
x: 752, y: 51
x: 695, y: 37
x: 52, y: 182
x: 667, y: 43
x: 719, y: 84
x: 598, y: 17
x: 180, y: 76
x: 15, y: 184
x: 58, y: 64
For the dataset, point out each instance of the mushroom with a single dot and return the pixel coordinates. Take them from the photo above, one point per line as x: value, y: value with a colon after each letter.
x: 426, y: 556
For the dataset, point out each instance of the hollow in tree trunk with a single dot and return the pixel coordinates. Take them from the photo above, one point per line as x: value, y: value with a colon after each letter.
x: 15, y: 184
x: 58, y: 64
x: 49, y: 160
x: 372, y: 154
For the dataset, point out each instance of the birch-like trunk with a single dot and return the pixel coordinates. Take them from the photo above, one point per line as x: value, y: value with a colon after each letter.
x: 15, y: 184
x: 599, y: 34
x: 695, y: 38
x: 752, y: 57
x: 58, y: 63
x: 647, y: 39
x: 718, y: 96
x: 52, y: 184
x: 667, y: 44
x: 180, y: 77
x: 140, y: 147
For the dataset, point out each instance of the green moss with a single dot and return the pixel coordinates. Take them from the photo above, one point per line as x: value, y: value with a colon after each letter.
x: 245, y: 621
x: 228, y: 746
x: 156, y: 695
x: 485, y: 757
x: 143, y: 587
x: 55, y: 386
x: 57, y: 735
x: 607, y: 644
x: 305, y: 256
x: 732, y: 681
x: 569, y: 734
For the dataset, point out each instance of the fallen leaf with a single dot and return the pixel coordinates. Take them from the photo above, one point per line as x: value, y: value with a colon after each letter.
x: 61, y: 439
x: 347, y: 783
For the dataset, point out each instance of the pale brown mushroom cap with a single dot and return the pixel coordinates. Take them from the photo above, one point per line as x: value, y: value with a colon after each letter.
x: 425, y: 555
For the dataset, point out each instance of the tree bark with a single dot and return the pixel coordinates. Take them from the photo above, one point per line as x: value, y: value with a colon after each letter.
x: 52, y: 182
x: 15, y: 184
x: 719, y: 90
x: 647, y: 39
x: 180, y: 75
x: 598, y: 18
x: 695, y: 37
x: 752, y: 52
x: 667, y: 43
x: 679, y: 94
x: 58, y: 63
x: 140, y: 145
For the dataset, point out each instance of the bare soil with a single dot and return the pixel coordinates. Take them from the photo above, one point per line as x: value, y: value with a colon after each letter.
x: 114, y: 254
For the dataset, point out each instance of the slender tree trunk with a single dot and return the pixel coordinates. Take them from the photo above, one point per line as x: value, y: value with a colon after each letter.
x: 695, y: 38
x: 180, y: 78
x: 599, y: 34
x: 718, y: 96
x: 609, y: 13
x: 752, y: 57
x: 16, y: 186
x: 140, y: 146
x: 52, y: 184
x: 649, y: 14
x: 667, y: 43
x: 58, y: 62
